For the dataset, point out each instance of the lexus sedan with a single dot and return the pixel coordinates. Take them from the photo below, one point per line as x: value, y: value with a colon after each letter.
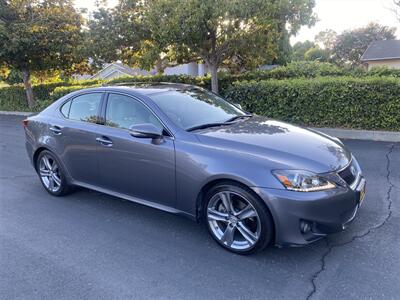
x: 252, y: 180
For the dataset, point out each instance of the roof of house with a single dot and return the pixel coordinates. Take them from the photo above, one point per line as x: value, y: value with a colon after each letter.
x: 381, y: 50
x: 120, y: 68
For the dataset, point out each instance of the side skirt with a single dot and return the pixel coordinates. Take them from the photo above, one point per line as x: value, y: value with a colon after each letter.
x: 135, y: 199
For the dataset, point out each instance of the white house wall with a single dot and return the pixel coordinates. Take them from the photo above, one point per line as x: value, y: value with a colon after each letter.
x: 184, y: 69
x: 390, y: 63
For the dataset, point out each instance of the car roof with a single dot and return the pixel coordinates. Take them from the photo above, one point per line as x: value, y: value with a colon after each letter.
x: 145, y: 88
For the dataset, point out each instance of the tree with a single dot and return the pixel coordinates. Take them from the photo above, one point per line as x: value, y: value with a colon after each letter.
x: 351, y: 45
x: 124, y: 31
x: 38, y: 36
x: 217, y: 31
x: 327, y: 38
x: 396, y: 8
x: 300, y: 48
x: 317, y: 54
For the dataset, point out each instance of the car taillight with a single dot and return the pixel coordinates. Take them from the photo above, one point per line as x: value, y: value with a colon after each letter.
x: 25, y: 122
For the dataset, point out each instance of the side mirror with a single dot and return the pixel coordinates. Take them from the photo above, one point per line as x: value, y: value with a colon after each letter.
x: 238, y: 105
x: 145, y: 130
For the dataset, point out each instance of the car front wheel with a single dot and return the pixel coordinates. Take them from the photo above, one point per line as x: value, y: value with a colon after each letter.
x: 237, y: 219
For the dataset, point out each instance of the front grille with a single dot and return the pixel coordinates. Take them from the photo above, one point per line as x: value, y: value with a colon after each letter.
x: 347, y: 175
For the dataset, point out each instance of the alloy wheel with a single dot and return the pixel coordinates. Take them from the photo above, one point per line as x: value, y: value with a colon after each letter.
x: 49, y: 172
x: 233, y: 220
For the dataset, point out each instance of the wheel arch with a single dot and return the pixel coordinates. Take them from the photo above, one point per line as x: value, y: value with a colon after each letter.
x: 201, y: 198
x: 203, y: 191
x: 42, y: 148
x: 36, y: 155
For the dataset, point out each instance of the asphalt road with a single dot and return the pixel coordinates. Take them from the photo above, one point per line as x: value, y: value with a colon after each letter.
x: 88, y: 245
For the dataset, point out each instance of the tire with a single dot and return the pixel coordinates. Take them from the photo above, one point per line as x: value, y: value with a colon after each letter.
x: 51, y: 174
x: 248, y: 218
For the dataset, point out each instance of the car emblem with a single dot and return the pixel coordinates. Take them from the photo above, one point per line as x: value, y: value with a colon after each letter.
x: 353, y: 170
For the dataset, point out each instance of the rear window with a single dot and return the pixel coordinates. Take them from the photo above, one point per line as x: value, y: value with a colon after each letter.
x: 83, y: 108
x: 65, y: 108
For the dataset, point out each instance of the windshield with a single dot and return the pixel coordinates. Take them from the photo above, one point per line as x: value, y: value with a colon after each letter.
x: 195, y: 107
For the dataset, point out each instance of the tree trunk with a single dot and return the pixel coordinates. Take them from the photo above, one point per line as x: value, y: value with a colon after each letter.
x: 214, y: 77
x: 159, y: 66
x: 26, y: 76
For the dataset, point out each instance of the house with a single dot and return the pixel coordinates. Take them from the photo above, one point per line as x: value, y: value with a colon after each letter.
x: 382, y: 54
x: 117, y: 69
x: 192, y: 69
x: 114, y: 70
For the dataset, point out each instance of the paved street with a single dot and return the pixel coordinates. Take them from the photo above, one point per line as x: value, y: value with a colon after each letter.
x: 88, y: 245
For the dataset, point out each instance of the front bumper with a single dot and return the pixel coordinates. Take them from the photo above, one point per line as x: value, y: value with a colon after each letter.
x: 325, y: 212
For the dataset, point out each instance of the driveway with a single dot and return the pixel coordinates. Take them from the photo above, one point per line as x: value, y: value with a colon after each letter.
x: 88, y: 245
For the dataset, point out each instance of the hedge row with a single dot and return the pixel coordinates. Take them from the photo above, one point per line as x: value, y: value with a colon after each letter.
x: 13, y: 98
x: 366, y: 103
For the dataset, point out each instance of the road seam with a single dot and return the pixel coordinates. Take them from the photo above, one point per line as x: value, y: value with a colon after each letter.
x: 330, y: 247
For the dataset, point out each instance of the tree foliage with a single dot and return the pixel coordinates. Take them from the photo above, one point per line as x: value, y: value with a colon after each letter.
x: 300, y: 48
x: 245, y: 32
x: 326, y: 38
x: 351, y: 45
x: 317, y: 54
x: 39, y: 35
x: 396, y: 8
x: 117, y: 33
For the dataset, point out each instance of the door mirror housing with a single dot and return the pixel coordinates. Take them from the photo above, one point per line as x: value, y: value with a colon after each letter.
x: 238, y: 105
x: 146, y: 130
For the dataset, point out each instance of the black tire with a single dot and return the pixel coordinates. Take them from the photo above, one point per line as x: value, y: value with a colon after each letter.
x: 64, y: 187
x: 266, y: 231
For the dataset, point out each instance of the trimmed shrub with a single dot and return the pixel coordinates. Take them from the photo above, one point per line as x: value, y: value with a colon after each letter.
x: 13, y: 98
x: 367, y: 103
x: 64, y: 90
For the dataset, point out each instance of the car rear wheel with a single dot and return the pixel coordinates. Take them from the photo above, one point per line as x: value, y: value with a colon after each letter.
x: 51, y: 174
x: 237, y: 219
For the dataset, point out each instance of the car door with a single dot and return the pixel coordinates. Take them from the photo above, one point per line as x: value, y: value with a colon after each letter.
x: 76, y: 133
x: 138, y: 167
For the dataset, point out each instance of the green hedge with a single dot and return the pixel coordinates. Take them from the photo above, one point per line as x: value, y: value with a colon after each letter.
x: 308, y: 93
x: 365, y: 103
x: 13, y: 97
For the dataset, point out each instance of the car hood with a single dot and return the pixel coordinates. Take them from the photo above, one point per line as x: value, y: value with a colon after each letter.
x: 284, y: 145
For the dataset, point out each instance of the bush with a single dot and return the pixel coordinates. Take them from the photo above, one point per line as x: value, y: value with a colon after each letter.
x: 64, y: 90
x: 366, y: 103
x: 13, y: 98
x: 369, y: 101
x: 384, y: 71
x: 307, y: 69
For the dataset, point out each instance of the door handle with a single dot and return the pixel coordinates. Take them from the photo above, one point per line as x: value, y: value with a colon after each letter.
x: 104, y: 141
x: 55, y: 129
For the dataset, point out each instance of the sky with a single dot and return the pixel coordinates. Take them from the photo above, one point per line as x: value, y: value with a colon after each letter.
x: 341, y: 15
x: 338, y: 15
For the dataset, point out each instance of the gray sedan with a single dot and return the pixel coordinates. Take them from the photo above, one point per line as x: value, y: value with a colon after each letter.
x: 252, y: 180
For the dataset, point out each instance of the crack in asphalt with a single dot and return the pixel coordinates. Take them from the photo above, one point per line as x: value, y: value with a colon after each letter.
x: 330, y: 246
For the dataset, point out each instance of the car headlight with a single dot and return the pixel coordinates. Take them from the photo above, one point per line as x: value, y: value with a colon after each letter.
x: 302, y: 181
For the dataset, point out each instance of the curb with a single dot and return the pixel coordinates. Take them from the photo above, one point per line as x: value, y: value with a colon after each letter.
x: 16, y: 113
x: 352, y: 134
x: 355, y: 134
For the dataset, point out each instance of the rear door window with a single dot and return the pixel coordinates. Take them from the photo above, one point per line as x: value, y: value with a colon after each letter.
x: 85, y: 107
x: 65, y: 108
